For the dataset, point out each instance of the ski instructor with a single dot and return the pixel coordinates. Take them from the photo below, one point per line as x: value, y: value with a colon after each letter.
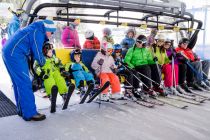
x: 25, y: 43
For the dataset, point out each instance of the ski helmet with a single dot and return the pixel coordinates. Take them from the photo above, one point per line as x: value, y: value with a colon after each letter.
x: 89, y: 34
x: 184, y: 40
x: 160, y: 37
x: 117, y: 47
x: 106, y: 45
x: 142, y: 39
x: 167, y: 40
x: 107, y: 31
x: 46, y: 47
x: 131, y: 30
x: 75, y: 52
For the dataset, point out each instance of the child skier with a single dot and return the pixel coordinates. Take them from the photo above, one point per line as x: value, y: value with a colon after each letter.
x: 128, y: 41
x: 121, y: 70
x: 104, y: 65
x: 53, y: 81
x: 107, y: 36
x: 70, y: 37
x: 79, y: 71
x: 91, y: 42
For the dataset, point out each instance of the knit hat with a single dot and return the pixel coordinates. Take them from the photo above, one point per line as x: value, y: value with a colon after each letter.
x: 49, y: 25
x: 106, y: 45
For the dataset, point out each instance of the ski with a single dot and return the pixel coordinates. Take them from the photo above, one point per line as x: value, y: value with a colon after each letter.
x: 70, y: 91
x: 106, y: 85
x: 172, y: 102
x: 90, y: 88
x: 203, y: 95
x: 195, y: 97
x: 183, y: 99
x: 111, y: 101
x: 141, y: 102
x: 154, y: 101
x: 53, y: 98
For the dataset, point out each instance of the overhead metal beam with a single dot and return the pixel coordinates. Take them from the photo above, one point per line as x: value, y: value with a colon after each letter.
x: 120, y: 17
x: 37, y: 9
x: 169, y: 6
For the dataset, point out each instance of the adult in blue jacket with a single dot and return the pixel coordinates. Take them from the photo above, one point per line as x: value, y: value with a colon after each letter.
x: 23, y: 44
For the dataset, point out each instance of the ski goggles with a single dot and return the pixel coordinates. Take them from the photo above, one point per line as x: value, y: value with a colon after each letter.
x: 144, y: 41
x: 109, y: 50
x: 117, y: 51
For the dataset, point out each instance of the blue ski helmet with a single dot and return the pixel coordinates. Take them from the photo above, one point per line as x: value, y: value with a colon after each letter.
x: 74, y: 52
x: 117, y: 47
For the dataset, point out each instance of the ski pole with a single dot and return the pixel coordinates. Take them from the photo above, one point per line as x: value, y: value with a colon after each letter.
x: 135, y: 76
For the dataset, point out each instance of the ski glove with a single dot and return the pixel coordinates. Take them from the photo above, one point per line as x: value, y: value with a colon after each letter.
x: 100, y: 62
x: 44, y: 75
x: 155, y: 59
x: 65, y: 74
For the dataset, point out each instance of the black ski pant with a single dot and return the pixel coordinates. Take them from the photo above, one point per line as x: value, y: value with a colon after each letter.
x: 182, y: 73
x: 156, y: 75
x: 128, y: 74
x: 145, y: 70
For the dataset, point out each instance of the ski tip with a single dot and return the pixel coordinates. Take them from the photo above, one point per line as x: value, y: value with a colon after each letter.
x: 184, y: 107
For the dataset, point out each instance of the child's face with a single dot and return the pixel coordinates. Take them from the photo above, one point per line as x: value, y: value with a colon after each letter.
x: 130, y: 35
x: 77, y: 57
x: 184, y: 45
x: 104, y: 34
x: 139, y: 44
x: 167, y: 45
x: 117, y: 54
x: 160, y: 42
x: 109, y: 52
x: 50, y: 53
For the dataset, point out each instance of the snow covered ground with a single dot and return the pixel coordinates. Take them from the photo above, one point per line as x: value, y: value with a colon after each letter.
x: 113, y: 122
x: 109, y: 122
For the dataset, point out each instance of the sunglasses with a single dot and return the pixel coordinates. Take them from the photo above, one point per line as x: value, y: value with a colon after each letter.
x: 160, y: 41
x: 168, y: 44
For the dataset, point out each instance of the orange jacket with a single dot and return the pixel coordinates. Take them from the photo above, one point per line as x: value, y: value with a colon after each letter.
x: 187, y: 52
x: 92, y: 44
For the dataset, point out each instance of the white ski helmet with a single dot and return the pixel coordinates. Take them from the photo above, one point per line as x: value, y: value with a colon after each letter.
x: 89, y: 34
x: 106, y: 45
x: 160, y: 37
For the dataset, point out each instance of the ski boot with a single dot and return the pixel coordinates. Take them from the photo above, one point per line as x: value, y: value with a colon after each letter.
x: 186, y: 88
x: 117, y: 96
x: 53, y: 98
x: 159, y: 90
x: 151, y: 93
x: 103, y: 97
x: 203, y: 85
